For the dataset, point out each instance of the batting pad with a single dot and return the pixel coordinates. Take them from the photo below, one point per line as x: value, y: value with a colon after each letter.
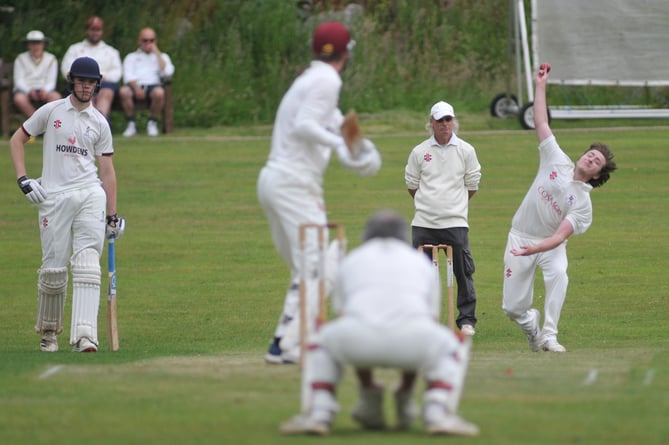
x: 450, y: 370
x: 85, y: 295
x: 334, y: 254
x: 51, y: 292
x: 458, y: 379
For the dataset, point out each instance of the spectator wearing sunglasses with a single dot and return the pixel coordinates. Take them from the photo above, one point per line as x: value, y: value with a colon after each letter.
x: 144, y: 72
x: 442, y: 174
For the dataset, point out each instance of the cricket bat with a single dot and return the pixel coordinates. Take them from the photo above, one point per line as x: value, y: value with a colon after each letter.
x: 112, y: 324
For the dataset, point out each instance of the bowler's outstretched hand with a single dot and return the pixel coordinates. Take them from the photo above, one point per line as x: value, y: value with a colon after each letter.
x: 542, y: 74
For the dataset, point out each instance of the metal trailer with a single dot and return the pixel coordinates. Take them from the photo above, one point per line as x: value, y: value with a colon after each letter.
x: 646, y: 40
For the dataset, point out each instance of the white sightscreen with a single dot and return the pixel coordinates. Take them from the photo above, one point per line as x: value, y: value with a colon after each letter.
x: 602, y: 42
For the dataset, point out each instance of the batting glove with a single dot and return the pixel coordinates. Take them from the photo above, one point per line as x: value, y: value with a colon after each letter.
x: 115, y: 226
x: 32, y: 189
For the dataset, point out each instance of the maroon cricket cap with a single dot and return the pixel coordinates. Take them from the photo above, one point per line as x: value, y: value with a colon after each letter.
x: 95, y: 22
x: 330, y: 38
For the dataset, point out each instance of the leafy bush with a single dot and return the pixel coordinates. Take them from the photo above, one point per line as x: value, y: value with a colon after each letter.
x: 235, y: 58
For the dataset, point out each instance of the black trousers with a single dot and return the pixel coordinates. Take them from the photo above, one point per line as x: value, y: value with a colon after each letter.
x: 463, y: 265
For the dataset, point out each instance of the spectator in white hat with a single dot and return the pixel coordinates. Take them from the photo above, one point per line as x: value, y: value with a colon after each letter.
x: 35, y: 75
x: 442, y: 174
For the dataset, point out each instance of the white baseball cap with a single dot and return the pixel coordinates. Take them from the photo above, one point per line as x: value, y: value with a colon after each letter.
x: 441, y: 109
x: 36, y: 36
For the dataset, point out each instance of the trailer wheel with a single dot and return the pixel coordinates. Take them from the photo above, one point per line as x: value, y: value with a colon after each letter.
x: 504, y: 105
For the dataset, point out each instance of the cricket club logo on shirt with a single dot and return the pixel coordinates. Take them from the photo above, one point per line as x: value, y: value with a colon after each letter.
x: 571, y: 200
x: 547, y: 196
x: 553, y: 175
x: 427, y: 157
x: 57, y: 124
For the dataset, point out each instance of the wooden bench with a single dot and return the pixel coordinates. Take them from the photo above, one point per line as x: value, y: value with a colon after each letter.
x: 7, y: 109
x: 6, y: 73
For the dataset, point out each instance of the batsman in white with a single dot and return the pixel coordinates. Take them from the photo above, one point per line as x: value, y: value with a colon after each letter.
x: 556, y: 206
x: 307, y: 130
x: 71, y: 201
x: 388, y: 296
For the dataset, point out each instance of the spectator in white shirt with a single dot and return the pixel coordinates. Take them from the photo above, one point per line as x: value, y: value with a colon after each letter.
x: 144, y: 72
x: 35, y: 75
x: 108, y: 59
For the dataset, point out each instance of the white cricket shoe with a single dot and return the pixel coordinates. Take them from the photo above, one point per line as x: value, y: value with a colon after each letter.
x: 305, y: 424
x: 284, y: 358
x: 450, y: 424
x: 273, y: 359
x: 368, y: 411
x: 49, y: 342
x: 152, y: 128
x: 130, y: 130
x: 468, y: 330
x: 291, y: 356
x: 534, y: 336
x: 551, y: 344
x: 85, y: 344
x: 406, y: 409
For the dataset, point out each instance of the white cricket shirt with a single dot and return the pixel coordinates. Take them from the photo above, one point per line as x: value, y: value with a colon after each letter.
x: 442, y: 176
x: 30, y: 74
x: 307, y: 123
x: 553, y: 196
x: 72, y: 140
x: 107, y: 57
x: 386, y: 282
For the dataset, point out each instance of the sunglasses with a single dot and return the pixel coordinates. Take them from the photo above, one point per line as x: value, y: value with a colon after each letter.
x: 444, y: 119
x: 148, y: 40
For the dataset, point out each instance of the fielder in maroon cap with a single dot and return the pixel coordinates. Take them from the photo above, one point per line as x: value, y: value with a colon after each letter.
x: 306, y: 134
x: 331, y: 40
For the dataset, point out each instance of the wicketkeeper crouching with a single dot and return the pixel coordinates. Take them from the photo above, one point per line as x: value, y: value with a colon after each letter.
x: 388, y: 297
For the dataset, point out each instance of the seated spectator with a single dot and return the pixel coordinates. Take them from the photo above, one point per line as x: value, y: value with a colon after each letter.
x: 143, y: 74
x: 35, y: 75
x: 107, y: 57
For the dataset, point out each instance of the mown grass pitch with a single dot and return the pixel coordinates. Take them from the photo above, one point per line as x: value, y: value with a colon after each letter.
x: 200, y: 287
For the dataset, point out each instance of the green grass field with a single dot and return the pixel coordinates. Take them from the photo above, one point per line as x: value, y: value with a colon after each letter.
x: 200, y: 288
